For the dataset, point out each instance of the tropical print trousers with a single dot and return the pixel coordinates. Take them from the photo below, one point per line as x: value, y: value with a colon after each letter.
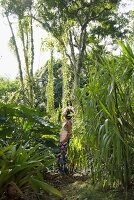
x: 62, y: 158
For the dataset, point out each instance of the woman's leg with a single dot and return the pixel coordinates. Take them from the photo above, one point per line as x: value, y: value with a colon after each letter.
x: 62, y: 159
x: 65, y: 159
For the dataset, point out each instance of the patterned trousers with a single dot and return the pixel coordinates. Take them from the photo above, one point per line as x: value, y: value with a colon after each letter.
x: 62, y: 158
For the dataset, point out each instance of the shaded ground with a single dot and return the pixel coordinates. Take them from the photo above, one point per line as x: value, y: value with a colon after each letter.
x: 62, y: 183
x: 74, y: 187
x: 77, y: 187
x: 56, y: 180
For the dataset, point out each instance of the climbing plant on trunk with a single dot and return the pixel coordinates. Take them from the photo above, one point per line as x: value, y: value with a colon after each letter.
x: 66, y: 77
x: 26, y: 36
x: 50, y: 86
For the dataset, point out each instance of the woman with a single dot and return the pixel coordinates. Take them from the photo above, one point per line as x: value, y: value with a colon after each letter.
x: 65, y: 136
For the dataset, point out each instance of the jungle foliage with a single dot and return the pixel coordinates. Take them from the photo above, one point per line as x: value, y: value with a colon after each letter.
x: 94, y: 73
x: 27, y: 148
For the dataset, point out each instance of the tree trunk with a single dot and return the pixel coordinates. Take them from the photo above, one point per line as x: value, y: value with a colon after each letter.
x: 32, y: 61
x: 65, y: 86
x: 77, y: 58
x: 18, y: 56
x: 32, y: 46
x: 50, y: 87
x: 28, y: 70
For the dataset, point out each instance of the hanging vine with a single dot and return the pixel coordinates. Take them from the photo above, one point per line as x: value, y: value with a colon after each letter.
x: 66, y: 75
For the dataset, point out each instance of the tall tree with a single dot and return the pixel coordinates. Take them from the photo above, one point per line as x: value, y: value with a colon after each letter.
x: 22, y: 10
x: 7, y: 12
x: 71, y: 22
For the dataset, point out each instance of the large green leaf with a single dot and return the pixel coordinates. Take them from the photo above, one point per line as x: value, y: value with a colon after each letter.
x: 105, y: 110
x: 37, y: 185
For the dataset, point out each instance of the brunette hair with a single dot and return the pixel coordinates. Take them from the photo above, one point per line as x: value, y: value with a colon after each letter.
x: 67, y: 112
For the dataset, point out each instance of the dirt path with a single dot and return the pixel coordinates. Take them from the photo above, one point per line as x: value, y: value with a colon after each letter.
x: 74, y: 187
x: 78, y: 187
x: 65, y: 184
x: 62, y: 183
